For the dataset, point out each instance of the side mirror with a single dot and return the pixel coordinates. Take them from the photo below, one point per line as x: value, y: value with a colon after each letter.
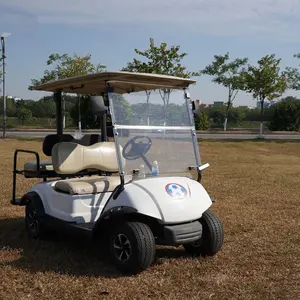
x: 98, y: 106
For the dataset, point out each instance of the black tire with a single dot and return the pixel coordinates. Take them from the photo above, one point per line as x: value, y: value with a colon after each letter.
x: 34, y: 219
x: 212, y: 236
x: 138, y: 252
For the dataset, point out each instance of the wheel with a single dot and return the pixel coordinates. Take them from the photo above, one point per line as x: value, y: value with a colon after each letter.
x: 34, y: 223
x: 212, y: 236
x: 132, y: 247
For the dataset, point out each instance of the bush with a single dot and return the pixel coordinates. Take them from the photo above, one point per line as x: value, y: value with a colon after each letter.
x: 285, y: 116
x: 24, y: 114
x: 202, y: 122
x: 218, y: 115
x: 236, y: 116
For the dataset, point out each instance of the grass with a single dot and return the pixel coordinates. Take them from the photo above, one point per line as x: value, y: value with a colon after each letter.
x: 256, y: 185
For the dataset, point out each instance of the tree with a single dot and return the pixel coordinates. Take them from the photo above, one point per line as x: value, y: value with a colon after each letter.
x: 265, y: 81
x: 286, y: 115
x: 24, y: 114
x: 227, y: 74
x: 160, y: 60
x: 293, y: 76
x: 64, y: 66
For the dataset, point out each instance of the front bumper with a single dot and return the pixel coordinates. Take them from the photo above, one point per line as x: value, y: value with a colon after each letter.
x: 183, y: 233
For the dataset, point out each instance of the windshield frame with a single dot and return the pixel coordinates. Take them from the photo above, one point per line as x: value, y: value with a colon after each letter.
x: 190, y: 128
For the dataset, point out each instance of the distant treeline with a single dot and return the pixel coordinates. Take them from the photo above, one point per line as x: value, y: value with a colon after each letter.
x: 284, y: 115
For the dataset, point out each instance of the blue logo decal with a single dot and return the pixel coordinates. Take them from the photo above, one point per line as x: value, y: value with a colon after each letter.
x: 176, y: 190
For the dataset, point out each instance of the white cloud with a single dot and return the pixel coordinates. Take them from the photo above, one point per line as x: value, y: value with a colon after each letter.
x: 223, y: 17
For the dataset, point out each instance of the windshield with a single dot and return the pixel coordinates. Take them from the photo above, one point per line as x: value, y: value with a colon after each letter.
x: 155, y: 132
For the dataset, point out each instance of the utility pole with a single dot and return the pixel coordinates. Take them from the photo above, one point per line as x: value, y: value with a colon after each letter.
x: 3, y: 36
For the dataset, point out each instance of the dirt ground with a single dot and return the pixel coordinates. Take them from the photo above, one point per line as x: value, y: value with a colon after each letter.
x: 257, y: 187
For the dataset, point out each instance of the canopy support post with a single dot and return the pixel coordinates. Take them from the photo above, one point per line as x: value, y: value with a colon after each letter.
x: 103, y: 128
x: 59, y: 116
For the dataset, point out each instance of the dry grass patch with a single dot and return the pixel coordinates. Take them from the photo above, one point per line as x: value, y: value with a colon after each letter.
x: 257, y: 187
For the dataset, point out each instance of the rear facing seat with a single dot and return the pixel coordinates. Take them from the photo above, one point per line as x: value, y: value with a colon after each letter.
x: 46, y: 167
x: 70, y: 158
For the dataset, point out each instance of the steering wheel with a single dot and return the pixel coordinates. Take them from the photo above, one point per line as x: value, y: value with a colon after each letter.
x: 138, y: 148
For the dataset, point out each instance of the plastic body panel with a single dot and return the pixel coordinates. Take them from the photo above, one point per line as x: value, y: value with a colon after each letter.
x: 155, y: 197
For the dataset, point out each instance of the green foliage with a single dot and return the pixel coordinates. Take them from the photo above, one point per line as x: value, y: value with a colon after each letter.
x: 236, y: 116
x: 123, y: 111
x: 13, y: 122
x: 218, y: 115
x: 160, y: 60
x: 64, y: 66
x: 88, y: 120
x: 44, y: 108
x: 286, y: 115
x: 265, y: 81
x: 292, y: 76
x: 24, y: 114
x: 1, y: 58
x: 227, y: 73
x: 10, y: 107
x: 239, y: 116
x: 202, y: 122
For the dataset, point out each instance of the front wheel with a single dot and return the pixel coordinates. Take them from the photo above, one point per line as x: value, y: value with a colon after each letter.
x: 34, y: 219
x: 212, y: 236
x: 132, y: 247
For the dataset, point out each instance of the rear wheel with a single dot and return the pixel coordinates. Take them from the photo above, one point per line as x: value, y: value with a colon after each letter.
x: 212, y: 236
x: 132, y: 247
x: 34, y: 219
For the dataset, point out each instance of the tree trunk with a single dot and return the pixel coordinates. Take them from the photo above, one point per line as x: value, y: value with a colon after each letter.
x: 227, y: 108
x: 261, y: 117
x: 226, y: 115
x: 261, y: 128
x: 225, y: 124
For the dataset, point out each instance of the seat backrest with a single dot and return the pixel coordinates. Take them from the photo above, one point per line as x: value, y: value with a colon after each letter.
x: 89, y: 139
x: 71, y: 158
x: 52, y: 139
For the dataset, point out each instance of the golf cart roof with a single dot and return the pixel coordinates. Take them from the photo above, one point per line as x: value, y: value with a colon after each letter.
x: 123, y: 82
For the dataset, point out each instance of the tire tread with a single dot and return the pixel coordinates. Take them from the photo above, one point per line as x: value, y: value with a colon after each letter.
x: 144, y: 246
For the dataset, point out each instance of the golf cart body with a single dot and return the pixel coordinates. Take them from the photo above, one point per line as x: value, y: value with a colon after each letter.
x: 150, y: 173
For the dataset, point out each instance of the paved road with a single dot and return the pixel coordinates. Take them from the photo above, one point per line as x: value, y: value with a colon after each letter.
x: 209, y: 135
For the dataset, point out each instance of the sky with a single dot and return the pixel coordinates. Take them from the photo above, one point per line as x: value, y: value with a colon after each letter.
x: 110, y: 30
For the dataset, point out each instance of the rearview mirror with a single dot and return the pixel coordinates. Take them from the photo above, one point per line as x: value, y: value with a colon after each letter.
x: 98, y: 106
x: 196, y: 108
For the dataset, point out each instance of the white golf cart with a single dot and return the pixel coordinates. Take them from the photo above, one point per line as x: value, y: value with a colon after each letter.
x: 140, y: 190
